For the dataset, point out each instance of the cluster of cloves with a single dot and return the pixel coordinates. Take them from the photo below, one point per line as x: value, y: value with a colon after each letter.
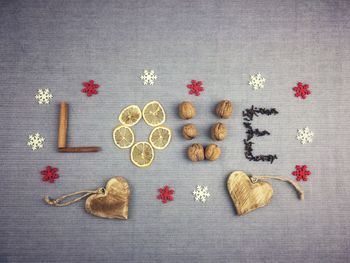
x: 218, y: 131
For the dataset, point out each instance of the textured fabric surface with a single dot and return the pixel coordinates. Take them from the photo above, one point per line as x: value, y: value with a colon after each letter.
x: 61, y: 44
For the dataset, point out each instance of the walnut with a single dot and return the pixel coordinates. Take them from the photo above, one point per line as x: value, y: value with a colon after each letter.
x: 224, y: 109
x: 212, y: 152
x: 187, y: 110
x: 196, y: 152
x: 189, y: 131
x: 218, y: 131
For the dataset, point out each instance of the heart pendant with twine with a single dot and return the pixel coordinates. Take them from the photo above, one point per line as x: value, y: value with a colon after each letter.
x: 109, y: 202
x: 250, y: 192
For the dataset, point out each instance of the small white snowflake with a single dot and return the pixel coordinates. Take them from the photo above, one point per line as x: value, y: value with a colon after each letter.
x: 305, y: 135
x: 201, y: 193
x: 35, y: 141
x: 43, y: 96
x: 257, y: 81
x: 148, y: 77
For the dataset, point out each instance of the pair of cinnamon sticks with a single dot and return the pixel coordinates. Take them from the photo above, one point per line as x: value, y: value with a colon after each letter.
x: 62, y: 134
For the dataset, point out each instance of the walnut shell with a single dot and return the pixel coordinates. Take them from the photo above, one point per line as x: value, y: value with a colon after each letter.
x: 218, y: 131
x: 189, y: 131
x: 212, y: 152
x: 195, y: 152
x: 224, y: 109
x: 187, y: 110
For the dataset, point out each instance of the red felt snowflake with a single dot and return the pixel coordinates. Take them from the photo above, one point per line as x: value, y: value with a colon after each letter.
x: 301, y: 172
x: 50, y: 174
x: 165, y: 194
x: 90, y: 88
x: 195, y: 87
x: 302, y: 90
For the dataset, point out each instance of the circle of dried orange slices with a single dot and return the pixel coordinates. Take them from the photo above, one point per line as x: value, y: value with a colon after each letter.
x: 142, y: 153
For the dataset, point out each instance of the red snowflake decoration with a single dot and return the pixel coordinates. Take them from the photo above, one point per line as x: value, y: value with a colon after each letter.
x: 50, y: 174
x: 195, y: 87
x: 301, y: 172
x: 90, y: 88
x: 302, y: 90
x: 165, y: 194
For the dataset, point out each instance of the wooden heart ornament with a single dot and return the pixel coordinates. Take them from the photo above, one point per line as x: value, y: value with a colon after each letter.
x: 249, y: 192
x: 109, y: 202
x: 113, y: 202
x: 246, y: 194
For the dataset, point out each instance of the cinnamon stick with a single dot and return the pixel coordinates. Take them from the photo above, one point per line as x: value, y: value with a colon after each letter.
x: 87, y: 149
x: 63, y: 125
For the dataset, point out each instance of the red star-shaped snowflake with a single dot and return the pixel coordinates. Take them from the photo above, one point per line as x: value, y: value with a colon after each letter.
x: 165, y: 194
x: 301, y: 172
x: 302, y: 90
x: 50, y: 174
x: 90, y: 88
x: 195, y: 87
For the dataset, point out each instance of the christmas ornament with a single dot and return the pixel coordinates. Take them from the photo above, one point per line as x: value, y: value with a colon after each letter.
x: 201, y: 193
x: 43, y: 96
x: 148, y: 77
x: 165, y: 194
x: 195, y: 87
x: 257, y: 81
x: 251, y: 192
x: 35, y: 141
x: 305, y: 135
x: 109, y: 202
x: 301, y: 172
x: 90, y: 88
x: 302, y: 90
x: 49, y: 174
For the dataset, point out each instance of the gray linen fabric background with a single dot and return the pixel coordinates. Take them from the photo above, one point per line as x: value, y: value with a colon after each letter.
x: 60, y: 44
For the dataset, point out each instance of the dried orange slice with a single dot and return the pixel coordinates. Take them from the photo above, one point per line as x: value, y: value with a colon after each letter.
x: 123, y: 137
x: 153, y: 113
x: 160, y: 137
x: 130, y: 115
x: 142, y: 154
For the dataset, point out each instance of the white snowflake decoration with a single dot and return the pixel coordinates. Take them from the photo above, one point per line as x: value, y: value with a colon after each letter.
x: 257, y: 81
x: 201, y: 193
x: 305, y: 135
x: 148, y: 77
x: 35, y: 141
x: 43, y: 96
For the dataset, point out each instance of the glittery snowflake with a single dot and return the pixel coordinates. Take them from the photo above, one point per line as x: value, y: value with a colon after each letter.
x: 301, y: 172
x: 165, y: 194
x: 195, y: 87
x: 35, y: 141
x: 43, y: 96
x: 257, y: 81
x: 305, y: 135
x: 148, y: 77
x: 50, y: 174
x: 302, y: 90
x: 201, y: 193
x: 90, y: 88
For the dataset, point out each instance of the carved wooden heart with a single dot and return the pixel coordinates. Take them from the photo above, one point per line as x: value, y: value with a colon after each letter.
x: 247, y: 195
x: 113, y: 202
